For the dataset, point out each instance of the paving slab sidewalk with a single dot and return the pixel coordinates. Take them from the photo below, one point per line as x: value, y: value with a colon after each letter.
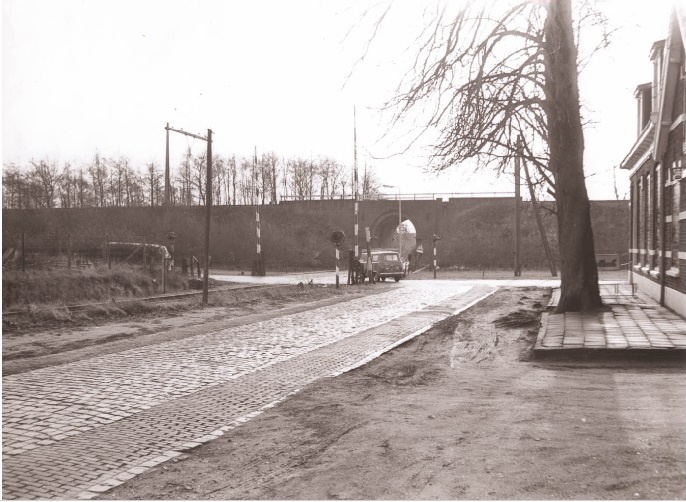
x: 634, y: 325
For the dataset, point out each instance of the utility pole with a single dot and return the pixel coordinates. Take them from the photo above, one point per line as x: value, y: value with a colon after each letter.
x: 400, y: 227
x: 356, y: 183
x: 166, y: 170
x: 517, y: 244
x: 208, y: 209
x: 208, y: 205
x: 539, y: 222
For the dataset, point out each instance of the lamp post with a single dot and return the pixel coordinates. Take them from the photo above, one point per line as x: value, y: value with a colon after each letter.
x: 400, y: 221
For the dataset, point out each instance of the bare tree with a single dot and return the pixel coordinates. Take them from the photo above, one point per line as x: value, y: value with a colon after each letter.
x: 490, y: 73
x: 343, y: 183
x: 82, y: 189
x: 301, y: 174
x: 185, y: 180
x: 154, y: 180
x: 98, y: 173
x: 107, y: 182
x: 218, y: 179
x: 47, y: 178
x: 330, y: 173
x: 198, y: 179
x: 67, y: 189
x: 12, y: 186
x: 270, y: 174
x: 370, y: 183
x: 115, y: 185
x: 232, y: 177
x: 246, y: 181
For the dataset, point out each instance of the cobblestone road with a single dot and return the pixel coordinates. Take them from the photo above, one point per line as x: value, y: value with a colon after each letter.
x: 74, y: 430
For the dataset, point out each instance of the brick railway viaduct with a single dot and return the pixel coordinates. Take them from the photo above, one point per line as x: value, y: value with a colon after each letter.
x: 475, y: 231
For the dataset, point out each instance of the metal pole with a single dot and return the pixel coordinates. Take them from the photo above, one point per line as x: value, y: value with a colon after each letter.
x: 166, y: 170
x: 400, y: 230
x: 258, y: 263
x: 109, y: 255
x: 23, y: 251
x: 164, y: 274
x: 356, y: 183
x: 208, y: 208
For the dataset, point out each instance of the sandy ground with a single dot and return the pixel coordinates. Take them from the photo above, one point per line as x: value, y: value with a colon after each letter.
x: 460, y: 412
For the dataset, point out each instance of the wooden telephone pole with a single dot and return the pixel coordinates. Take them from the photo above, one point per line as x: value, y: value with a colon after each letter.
x: 518, y: 203
x: 539, y: 222
x: 167, y: 188
x: 208, y: 201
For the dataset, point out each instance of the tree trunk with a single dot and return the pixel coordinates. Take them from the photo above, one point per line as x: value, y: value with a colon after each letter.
x: 579, y: 282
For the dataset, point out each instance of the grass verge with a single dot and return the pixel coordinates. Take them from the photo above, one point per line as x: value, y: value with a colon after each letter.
x: 38, y: 288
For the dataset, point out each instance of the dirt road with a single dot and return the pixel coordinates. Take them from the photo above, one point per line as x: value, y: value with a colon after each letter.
x: 460, y: 412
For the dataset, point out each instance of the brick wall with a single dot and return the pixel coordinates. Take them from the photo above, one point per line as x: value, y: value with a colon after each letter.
x: 475, y: 231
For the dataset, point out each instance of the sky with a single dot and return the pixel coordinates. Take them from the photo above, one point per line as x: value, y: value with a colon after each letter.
x: 84, y: 76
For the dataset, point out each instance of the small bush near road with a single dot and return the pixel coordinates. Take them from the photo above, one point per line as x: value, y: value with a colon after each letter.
x: 38, y: 287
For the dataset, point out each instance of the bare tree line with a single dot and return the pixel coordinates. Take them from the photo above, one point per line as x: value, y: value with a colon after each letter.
x: 113, y: 182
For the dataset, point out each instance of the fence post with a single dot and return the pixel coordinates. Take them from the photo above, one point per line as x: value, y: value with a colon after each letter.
x: 164, y: 274
x: 109, y: 256
x: 23, y: 251
x: 145, y: 249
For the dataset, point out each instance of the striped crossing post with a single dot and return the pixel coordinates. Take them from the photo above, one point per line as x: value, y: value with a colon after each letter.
x: 259, y: 268
x: 434, y: 259
x: 257, y: 230
x: 337, y: 265
x: 357, y: 226
x: 337, y: 238
x: 357, y: 189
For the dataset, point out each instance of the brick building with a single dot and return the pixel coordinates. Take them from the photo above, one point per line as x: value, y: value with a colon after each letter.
x: 655, y: 162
